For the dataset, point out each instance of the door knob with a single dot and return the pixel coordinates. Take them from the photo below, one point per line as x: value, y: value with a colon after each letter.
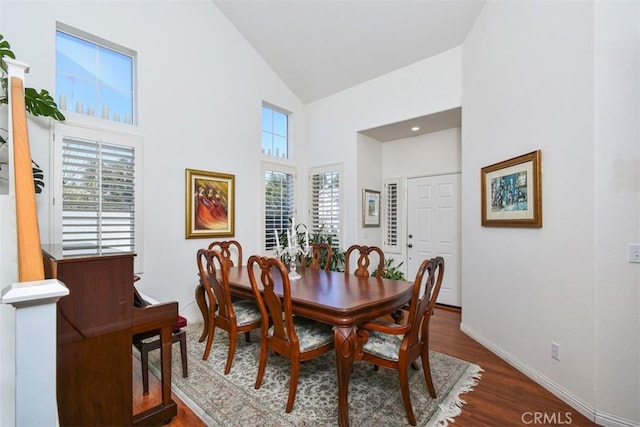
x: 410, y: 236
x: 410, y: 245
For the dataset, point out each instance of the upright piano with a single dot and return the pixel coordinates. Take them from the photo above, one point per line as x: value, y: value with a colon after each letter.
x: 95, y: 326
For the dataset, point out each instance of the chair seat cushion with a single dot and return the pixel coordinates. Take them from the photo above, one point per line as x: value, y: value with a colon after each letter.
x: 246, y: 312
x: 311, y: 334
x: 386, y: 346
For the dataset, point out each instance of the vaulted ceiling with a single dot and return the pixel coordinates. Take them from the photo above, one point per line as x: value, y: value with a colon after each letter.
x: 321, y: 47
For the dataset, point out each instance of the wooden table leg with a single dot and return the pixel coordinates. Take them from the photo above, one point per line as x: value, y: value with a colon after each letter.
x: 345, y: 342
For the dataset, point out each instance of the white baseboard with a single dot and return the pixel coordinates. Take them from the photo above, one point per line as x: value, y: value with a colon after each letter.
x: 610, y: 420
x: 549, y: 385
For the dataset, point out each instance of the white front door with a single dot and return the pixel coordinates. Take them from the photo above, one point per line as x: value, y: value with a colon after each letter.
x: 433, y: 229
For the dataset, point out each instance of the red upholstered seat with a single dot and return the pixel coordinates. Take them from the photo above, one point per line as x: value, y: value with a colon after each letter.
x: 180, y: 323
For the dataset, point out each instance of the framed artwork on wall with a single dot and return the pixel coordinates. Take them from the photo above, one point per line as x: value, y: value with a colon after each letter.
x: 511, y: 192
x: 370, y: 208
x: 210, y: 204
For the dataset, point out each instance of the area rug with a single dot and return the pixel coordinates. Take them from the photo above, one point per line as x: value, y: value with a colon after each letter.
x: 374, y: 396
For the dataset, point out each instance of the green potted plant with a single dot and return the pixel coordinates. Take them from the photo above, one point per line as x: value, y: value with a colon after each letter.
x: 37, y: 103
x: 392, y: 272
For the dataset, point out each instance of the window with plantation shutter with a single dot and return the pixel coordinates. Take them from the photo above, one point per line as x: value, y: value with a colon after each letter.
x: 279, y: 206
x: 97, y: 197
x: 326, y: 203
x: 391, y: 200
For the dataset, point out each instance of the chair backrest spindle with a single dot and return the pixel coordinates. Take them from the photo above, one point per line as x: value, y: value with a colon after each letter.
x: 226, y: 249
x: 320, y: 257
x: 364, y: 260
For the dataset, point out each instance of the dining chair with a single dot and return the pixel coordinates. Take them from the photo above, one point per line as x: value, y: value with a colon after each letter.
x: 148, y: 341
x: 394, y: 346
x: 321, y: 254
x: 294, y: 337
x: 364, y: 260
x: 227, y: 249
x: 234, y: 317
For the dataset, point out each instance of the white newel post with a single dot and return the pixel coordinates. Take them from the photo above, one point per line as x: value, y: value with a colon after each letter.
x: 35, y: 347
x: 35, y: 304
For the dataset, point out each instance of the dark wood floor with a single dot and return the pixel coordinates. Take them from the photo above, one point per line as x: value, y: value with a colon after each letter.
x: 503, y: 397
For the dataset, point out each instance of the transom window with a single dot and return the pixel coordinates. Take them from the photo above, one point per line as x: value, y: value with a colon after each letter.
x: 275, y: 132
x: 94, y: 77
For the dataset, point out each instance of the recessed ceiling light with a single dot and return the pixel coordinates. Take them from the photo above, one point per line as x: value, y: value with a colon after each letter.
x: 415, y: 129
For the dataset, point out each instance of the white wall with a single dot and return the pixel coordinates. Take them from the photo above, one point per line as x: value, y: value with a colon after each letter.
x: 369, y: 166
x: 529, y: 84
x: 433, y: 153
x: 617, y: 219
x: 523, y: 92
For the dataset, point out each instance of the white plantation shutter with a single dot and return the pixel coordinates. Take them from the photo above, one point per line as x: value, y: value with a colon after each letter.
x: 98, y: 195
x: 392, y: 226
x: 279, y: 204
x: 326, y: 203
x: 98, y: 202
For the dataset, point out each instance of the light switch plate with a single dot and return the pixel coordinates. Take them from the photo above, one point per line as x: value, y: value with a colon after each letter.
x: 634, y: 252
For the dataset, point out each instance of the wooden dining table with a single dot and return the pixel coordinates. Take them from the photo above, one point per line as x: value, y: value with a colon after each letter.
x: 343, y: 301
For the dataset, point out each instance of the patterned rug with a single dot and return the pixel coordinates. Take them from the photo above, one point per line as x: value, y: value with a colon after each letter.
x: 374, y: 396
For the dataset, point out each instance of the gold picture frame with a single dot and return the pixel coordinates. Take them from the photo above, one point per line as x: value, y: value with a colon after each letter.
x: 210, y: 204
x: 511, y: 192
x: 370, y: 208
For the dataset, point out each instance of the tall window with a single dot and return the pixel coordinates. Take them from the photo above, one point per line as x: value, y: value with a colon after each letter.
x: 93, y: 76
x: 97, y: 191
x: 275, y: 132
x: 279, y: 206
x: 326, y: 203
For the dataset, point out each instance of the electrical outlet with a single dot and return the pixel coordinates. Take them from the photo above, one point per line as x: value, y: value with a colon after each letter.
x: 555, y: 350
x: 634, y: 252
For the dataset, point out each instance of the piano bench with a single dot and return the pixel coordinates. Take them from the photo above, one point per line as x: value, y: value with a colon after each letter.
x: 150, y: 341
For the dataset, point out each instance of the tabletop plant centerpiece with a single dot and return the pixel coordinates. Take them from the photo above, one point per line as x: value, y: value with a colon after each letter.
x: 294, y: 245
x: 37, y: 103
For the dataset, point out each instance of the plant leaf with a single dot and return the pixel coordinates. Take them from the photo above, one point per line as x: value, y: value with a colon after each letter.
x: 4, y: 82
x: 5, y: 50
x: 38, y: 177
x: 41, y: 104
